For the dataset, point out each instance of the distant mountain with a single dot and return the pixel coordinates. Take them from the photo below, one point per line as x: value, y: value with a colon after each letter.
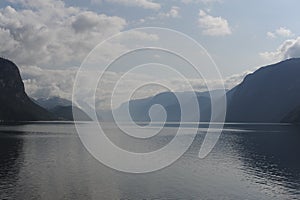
x: 267, y: 95
x: 52, y: 102
x: 15, y: 105
x: 66, y: 113
x: 139, y: 108
x: 270, y: 94
x: 62, y: 109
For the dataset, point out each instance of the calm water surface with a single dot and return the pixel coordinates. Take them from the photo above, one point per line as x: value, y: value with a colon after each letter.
x: 48, y: 161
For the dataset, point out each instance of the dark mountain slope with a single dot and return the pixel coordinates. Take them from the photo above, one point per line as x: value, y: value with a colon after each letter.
x: 15, y: 105
x: 267, y: 95
x: 293, y: 116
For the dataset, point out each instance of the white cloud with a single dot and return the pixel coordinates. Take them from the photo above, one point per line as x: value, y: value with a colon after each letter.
x: 201, y: 1
x: 44, y: 83
x: 228, y: 82
x: 213, y: 26
x: 288, y: 49
x: 236, y: 79
x: 284, y: 32
x: 47, y: 32
x: 172, y: 13
x: 280, y: 32
x: 271, y: 35
x: 147, y: 4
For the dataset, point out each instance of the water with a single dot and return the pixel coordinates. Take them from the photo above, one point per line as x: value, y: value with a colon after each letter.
x: 250, y: 161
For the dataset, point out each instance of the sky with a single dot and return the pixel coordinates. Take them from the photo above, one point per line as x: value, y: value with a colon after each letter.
x: 49, y: 39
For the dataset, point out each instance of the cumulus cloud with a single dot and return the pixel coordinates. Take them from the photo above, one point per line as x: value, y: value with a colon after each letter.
x: 147, y: 4
x: 47, y: 32
x: 44, y: 83
x: 288, y: 49
x: 213, y: 26
x: 280, y: 32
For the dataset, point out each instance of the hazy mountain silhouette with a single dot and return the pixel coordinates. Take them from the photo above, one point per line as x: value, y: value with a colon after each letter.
x: 267, y: 95
x: 62, y: 109
x: 66, y: 113
x: 139, y: 108
x: 15, y: 105
x: 52, y: 102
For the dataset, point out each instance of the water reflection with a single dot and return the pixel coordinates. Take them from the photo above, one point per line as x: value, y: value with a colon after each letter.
x: 11, y: 159
x: 270, y: 154
x: 249, y: 162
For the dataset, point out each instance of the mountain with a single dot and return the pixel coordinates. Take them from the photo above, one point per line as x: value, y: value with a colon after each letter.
x: 15, y: 105
x: 52, y: 102
x: 139, y: 108
x: 267, y: 95
x: 62, y: 109
x: 293, y: 116
x: 66, y: 113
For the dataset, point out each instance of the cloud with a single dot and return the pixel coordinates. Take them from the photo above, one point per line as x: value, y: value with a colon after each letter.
x: 201, y: 1
x: 213, y: 26
x: 172, y: 13
x: 47, y: 32
x: 147, y: 4
x: 44, y: 83
x: 271, y: 35
x: 288, y: 49
x: 284, y: 32
x: 236, y: 79
x: 280, y: 32
x: 227, y: 82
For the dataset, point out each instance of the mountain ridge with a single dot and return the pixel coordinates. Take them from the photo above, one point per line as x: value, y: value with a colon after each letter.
x: 15, y: 105
x: 266, y: 95
x: 62, y: 108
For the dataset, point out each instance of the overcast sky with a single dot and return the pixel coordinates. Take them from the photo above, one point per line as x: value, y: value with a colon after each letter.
x: 54, y: 36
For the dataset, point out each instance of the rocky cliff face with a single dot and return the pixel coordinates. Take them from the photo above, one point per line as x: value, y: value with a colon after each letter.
x: 15, y: 105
